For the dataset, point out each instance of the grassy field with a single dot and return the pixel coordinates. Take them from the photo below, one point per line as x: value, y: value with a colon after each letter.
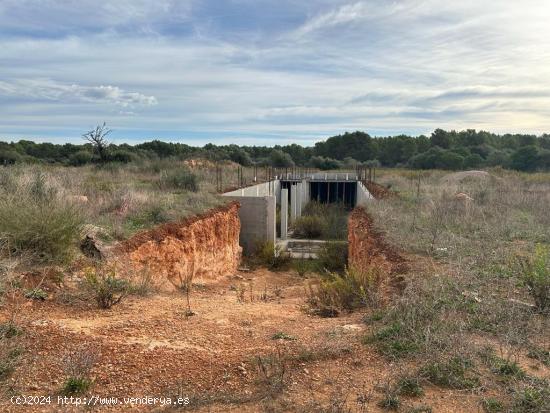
x: 475, y: 311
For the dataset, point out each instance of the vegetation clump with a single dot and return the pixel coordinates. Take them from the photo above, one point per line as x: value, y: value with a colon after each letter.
x: 36, y: 221
x: 105, y: 287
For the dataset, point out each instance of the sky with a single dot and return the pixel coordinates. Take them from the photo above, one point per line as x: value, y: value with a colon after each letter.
x: 266, y: 72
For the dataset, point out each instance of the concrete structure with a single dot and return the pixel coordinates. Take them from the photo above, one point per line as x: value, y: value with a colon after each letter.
x: 257, y: 215
x: 258, y: 212
x: 363, y: 194
x: 284, y: 213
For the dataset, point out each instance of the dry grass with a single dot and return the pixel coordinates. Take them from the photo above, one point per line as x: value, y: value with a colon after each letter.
x: 473, y: 291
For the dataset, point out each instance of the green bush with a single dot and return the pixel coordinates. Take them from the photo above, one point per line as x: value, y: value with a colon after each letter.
x: 303, y: 266
x: 491, y: 405
x: 76, y: 385
x: 80, y: 158
x: 333, y: 256
x: 37, y: 223
x: 105, y: 287
x: 322, y: 221
x: 180, y: 179
x: 270, y: 256
x: 310, y: 227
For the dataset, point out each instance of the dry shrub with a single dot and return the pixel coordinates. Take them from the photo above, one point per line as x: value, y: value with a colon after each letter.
x: 345, y: 292
x: 77, y: 366
x: 106, y: 288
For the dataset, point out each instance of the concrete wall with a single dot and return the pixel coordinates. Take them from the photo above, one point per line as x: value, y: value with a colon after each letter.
x: 363, y: 194
x: 257, y: 216
x: 272, y: 188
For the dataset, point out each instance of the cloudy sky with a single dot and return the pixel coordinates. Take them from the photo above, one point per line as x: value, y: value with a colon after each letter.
x: 271, y: 71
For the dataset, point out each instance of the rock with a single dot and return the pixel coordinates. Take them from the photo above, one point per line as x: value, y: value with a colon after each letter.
x: 78, y: 199
x: 91, y: 246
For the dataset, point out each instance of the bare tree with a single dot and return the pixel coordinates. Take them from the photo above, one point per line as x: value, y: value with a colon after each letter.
x: 98, y: 138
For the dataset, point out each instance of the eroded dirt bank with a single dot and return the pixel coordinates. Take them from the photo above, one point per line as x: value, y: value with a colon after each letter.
x: 367, y: 249
x: 202, y: 248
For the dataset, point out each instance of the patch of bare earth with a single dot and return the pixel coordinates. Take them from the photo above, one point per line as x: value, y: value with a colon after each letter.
x: 148, y: 347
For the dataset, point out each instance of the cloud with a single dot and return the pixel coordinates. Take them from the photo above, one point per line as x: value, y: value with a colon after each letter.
x: 48, y: 90
x: 272, y: 69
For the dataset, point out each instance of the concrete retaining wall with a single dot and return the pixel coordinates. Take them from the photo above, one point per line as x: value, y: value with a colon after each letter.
x: 363, y: 195
x: 272, y: 188
x: 257, y: 216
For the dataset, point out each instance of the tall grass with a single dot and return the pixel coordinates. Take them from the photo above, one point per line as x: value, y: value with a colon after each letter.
x: 36, y: 220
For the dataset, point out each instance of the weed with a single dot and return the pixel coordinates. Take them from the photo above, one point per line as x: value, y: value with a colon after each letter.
x: 333, y: 256
x: 272, y: 373
x: 532, y: 400
x: 345, y: 292
x: 509, y: 368
x: 302, y: 266
x: 77, y: 366
x: 310, y: 227
x: 270, y: 255
x: 454, y: 373
x: 282, y: 336
x: 390, y: 400
x: 76, y: 385
x: 492, y: 405
x: 105, y: 287
x: 409, y: 386
x: 36, y: 294
x: 9, y: 329
x: 9, y: 353
x: 535, y: 273
x: 539, y: 354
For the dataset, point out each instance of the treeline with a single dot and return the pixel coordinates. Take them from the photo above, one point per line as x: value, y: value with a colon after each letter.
x: 442, y: 150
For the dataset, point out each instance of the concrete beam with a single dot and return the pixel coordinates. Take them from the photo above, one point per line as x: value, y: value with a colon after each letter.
x: 293, y: 206
x: 284, y: 213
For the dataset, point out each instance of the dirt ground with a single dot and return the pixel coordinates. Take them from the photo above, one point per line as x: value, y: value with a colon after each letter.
x: 148, y: 347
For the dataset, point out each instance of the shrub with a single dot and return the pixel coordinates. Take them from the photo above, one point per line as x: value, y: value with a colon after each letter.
x: 333, y: 256
x: 36, y: 294
x: 270, y: 255
x: 347, y: 292
x: 390, y: 401
x: 282, y: 336
x: 491, y: 405
x: 532, y: 400
x: 310, y: 227
x: 37, y: 223
x: 105, y: 287
x: 410, y: 386
x: 180, y: 179
x: 77, y: 366
x: 536, y: 276
x: 302, y: 266
x: 8, y: 330
x: 80, y: 158
x: 454, y: 373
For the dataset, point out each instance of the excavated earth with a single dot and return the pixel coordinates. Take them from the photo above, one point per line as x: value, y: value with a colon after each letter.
x: 148, y: 347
